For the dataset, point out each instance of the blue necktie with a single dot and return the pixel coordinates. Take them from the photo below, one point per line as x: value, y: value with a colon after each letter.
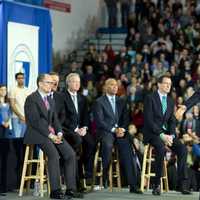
x: 112, y: 100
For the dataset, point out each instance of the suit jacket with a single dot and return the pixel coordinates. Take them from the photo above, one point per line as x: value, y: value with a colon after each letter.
x: 59, y: 106
x: 106, y: 119
x: 193, y: 100
x: 154, y: 119
x: 72, y: 118
x: 38, y: 119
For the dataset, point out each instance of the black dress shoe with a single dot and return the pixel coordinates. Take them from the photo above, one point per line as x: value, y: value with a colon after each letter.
x: 185, y: 187
x: 186, y: 192
x: 74, y: 194
x: 135, y: 190
x: 57, y: 194
x: 156, y: 190
x: 105, y: 184
x: 82, y: 190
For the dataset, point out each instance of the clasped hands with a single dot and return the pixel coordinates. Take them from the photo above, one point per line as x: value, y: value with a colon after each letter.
x: 180, y: 111
x: 119, y: 132
x: 82, y: 131
x: 167, y: 139
x: 57, y: 139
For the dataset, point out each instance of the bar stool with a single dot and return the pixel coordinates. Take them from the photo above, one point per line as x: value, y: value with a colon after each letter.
x: 114, y: 169
x: 27, y: 175
x: 98, y: 168
x: 147, y: 173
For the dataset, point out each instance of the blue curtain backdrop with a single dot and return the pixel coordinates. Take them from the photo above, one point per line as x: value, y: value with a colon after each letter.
x: 26, y: 14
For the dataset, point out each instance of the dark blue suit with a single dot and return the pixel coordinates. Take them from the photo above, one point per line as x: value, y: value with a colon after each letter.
x: 105, y: 120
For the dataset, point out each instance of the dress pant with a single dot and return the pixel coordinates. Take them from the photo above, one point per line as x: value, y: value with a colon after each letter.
x: 126, y: 157
x: 181, y: 152
x: 85, y: 150
x: 52, y: 151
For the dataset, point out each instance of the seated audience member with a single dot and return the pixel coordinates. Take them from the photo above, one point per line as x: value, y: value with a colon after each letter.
x: 111, y: 117
x: 159, y: 131
x: 44, y: 129
x: 76, y: 126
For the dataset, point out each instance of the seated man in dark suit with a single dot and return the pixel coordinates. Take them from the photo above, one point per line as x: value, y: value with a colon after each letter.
x: 43, y: 129
x: 76, y: 125
x: 111, y: 118
x: 58, y: 97
x: 159, y: 131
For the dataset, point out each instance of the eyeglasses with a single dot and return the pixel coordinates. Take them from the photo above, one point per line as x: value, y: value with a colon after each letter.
x: 48, y: 82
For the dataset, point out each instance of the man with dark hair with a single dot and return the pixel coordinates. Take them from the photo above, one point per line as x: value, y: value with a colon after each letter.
x: 43, y: 128
x: 111, y: 118
x: 18, y: 96
x: 159, y: 131
x: 57, y: 97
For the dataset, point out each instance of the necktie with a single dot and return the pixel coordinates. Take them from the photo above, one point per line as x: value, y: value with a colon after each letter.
x: 46, y: 103
x: 112, y: 100
x: 75, y: 102
x: 164, y: 108
x: 164, y: 104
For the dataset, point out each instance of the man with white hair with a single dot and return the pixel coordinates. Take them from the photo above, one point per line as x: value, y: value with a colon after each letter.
x: 76, y: 126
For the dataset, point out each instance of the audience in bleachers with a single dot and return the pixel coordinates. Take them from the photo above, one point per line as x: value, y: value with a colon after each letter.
x: 162, y: 38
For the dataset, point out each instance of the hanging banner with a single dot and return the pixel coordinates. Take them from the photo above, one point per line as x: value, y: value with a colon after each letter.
x: 22, y: 53
x: 56, y: 5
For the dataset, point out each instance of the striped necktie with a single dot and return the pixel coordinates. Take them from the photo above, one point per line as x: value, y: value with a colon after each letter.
x: 46, y: 102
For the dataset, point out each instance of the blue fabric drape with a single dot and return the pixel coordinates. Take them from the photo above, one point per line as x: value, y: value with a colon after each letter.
x: 20, y: 13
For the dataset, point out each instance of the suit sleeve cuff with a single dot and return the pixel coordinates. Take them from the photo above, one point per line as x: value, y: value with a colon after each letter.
x: 51, y: 136
x: 60, y: 134
x: 76, y: 129
x: 113, y: 129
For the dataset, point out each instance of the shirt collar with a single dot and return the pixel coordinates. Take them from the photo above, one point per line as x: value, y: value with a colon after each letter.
x: 161, y: 95
x: 71, y: 93
x: 110, y: 96
x: 42, y: 94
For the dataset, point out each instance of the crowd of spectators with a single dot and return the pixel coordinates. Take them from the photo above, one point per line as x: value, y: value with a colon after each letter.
x: 163, y: 38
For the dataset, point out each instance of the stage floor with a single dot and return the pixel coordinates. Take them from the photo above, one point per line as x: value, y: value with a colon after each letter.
x: 106, y: 195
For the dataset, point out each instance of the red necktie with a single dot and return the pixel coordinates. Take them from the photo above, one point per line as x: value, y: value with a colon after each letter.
x: 46, y: 103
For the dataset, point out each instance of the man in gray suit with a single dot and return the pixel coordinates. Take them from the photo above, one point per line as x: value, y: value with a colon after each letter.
x: 111, y: 117
x: 43, y: 128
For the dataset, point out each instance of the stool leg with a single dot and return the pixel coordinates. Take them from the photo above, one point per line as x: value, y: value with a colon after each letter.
x: 24, y: 171
x: 95, y: 166
x: 165, y: 178
x: 41, y: 157
x: 111, y: 176
x: 29, y: 168
x: 101, y: 174
x: 118, y: 174
x: 149, y: 160
x: 143, y: 168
